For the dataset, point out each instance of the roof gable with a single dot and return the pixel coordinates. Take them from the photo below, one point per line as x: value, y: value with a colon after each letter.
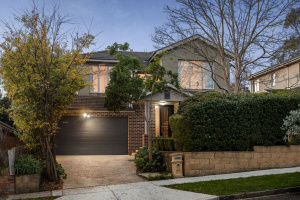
x: 189, y: 39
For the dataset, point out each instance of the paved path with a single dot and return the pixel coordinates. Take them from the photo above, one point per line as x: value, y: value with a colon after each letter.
x: 87, y: 171
x: 151, y: 190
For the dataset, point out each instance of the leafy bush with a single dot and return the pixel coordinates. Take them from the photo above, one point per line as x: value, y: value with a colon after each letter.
x: 163, y: 144
x: 231, y: 122
x: 61, y: 173
x: 142, y: 160
x: 291, y: 124
x: 26, y: 165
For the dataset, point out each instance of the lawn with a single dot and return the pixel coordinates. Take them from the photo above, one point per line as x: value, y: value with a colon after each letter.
x: 241, y: 185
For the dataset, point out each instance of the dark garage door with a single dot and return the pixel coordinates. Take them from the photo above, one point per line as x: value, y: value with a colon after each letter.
x: 92, y: 136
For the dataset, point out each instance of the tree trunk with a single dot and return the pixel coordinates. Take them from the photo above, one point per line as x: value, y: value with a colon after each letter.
x: 50, y: 159
x: 237, y: 84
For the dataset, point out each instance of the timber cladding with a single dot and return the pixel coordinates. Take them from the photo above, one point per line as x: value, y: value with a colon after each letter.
x: 208, y: 163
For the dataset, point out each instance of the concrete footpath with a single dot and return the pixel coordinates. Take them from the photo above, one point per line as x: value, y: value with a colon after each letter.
x: 149, y: 190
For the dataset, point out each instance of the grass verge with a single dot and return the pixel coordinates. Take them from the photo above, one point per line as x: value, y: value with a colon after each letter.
x: 241, y: 185
x: 44, y: 198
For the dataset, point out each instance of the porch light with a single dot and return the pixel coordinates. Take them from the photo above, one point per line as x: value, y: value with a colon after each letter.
x: 84, y: 114
x: 162, y: 103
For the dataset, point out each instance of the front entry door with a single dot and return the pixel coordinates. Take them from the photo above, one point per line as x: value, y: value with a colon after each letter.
x: 165, y: 113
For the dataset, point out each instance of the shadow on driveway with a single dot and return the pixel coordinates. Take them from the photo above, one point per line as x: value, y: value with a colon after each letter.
x: 87, y: 171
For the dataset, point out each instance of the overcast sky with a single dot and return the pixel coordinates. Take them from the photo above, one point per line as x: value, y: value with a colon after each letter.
x: 118, y: 21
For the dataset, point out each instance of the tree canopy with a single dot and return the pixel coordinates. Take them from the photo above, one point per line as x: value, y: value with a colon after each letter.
x: 291, y: 46
x: 41, y: 76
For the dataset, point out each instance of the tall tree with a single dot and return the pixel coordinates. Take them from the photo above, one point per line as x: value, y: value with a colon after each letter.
x: 130, y: 81
x: 41, y: 76
x: 291, y: 45
x: 247, y: 28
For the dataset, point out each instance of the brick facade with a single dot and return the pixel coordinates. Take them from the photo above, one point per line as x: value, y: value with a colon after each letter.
x: 7, y: 184
x: 136, y: 124
x: 207, y: 163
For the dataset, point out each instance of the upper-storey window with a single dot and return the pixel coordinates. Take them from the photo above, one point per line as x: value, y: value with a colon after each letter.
x: 99, y: 78
x: 273, y: 79
x: 195, y: 75
x: 256, y: 85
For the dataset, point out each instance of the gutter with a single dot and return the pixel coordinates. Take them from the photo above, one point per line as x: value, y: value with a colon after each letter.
x: 273, y: 68
x: 108, y: 61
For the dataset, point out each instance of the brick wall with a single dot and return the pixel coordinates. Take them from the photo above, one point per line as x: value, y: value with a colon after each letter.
x: 207, y: 163
x: 136, y: 124
x: 7, y: 184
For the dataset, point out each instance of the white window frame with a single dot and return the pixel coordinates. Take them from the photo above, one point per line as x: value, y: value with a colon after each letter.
x: 256, y: 85
x: 273, y: 79
x: 98, y: 78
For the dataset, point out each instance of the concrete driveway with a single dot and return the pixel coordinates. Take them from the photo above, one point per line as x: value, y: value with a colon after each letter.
x: 87, y: 171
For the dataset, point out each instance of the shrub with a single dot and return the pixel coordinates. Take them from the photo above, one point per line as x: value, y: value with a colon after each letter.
x: 142, y: 160
x: 26, y: 165
x: 231, y: 122
x: 291, y: 124
x: 160, y: 177
x: 61, y: 173
x: 163, y: 144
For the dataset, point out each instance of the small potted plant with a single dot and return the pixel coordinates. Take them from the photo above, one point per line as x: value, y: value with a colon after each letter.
x: 28, y: 174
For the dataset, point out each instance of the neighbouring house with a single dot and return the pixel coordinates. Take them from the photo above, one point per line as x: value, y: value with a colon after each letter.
x: 285, y: 75
x: 87, y: 128
x: 8, y: 139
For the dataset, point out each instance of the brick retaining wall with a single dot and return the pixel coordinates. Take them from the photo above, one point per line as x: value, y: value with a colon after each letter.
x: 7, y: 184
x: 207, y: 163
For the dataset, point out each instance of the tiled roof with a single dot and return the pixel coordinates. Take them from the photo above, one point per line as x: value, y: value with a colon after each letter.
x: 89, y: 103
x: 103, y: 55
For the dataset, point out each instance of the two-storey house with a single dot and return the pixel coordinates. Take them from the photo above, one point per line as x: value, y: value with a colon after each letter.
x: 89, y: 129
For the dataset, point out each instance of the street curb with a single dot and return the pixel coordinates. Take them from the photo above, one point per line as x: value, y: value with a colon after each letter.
x: 260, y: 193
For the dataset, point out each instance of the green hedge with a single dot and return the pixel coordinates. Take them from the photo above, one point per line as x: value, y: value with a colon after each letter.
x: 231, y: 122
x: 163, y: 144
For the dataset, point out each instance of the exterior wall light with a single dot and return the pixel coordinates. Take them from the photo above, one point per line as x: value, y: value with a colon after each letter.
x: 162, y: 103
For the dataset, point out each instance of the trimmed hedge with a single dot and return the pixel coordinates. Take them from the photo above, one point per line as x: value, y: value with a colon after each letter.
x: 231, y: 122
x: 163, y: 144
